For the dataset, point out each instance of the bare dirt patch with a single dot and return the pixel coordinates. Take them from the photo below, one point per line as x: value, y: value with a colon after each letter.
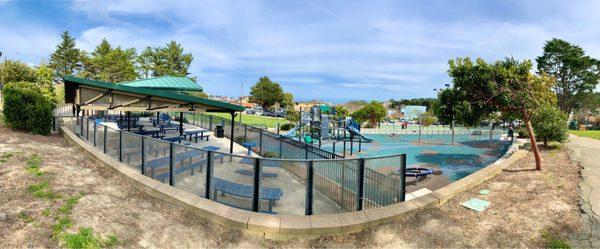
x: 524, y: 204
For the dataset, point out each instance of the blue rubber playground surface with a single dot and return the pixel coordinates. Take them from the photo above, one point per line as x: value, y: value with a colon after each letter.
x: 467, y: 155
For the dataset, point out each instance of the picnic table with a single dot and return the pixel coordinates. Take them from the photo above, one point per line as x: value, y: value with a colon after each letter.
x: 175, y: 139
x: 169, y: 126
x: 246, y: 191
x: 195, y: 133
x: 249, y: 145
x: 264, y: 163
x: 153, y: 133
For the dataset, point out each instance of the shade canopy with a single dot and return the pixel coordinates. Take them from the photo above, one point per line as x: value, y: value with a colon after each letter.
x: 98, y: 95
x: 166, y: 83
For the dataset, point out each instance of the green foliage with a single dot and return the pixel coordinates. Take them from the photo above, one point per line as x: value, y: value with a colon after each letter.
x: 63, y: 223
x: 268, y: 154
x: 550, y: 124
x: 42, y: 190
x: 68, y: 205
x: 428, y: 102
x: 340, y: 112
x: 15, y: 71
x: 292, y: 115
x: 26, y: 108
x: 522, y: 131
x: 83, y: 239
x: 145, y: 62
x: 373, y: 113
x: 5, y: 156
x: 171, y: 60
x: 65, y: 60
x: 33, y: 165
x: 576, y: 73
x: 288, y: 101
x: 45, y: 81
x: 110, y: 64
x: 266, y: 93
x: 287, y: 127
x: 554, y: 242
x: 429, y: 120
x: 25, y: 217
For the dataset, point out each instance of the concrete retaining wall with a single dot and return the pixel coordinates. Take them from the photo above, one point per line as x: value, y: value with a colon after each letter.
x: 291, y: 226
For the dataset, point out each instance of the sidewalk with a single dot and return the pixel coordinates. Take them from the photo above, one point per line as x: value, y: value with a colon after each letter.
x: 586, y: 152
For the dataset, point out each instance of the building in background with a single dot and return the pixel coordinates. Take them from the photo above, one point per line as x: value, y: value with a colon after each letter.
x: 412, y: 112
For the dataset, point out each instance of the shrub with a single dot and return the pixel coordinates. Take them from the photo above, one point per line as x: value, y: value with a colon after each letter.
x: 522, y: 131
x: 287, y: 127
x: 268, y: 154
x: 550, y: 124
x: 26, y: 108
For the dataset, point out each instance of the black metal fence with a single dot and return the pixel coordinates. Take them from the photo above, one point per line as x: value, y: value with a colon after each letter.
x: 304, y: 180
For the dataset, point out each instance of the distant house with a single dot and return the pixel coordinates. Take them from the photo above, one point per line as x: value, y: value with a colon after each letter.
x: 305, y: 105
x: 411, y: 112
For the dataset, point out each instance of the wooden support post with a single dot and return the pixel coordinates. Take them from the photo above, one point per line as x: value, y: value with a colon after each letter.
x: 232, y: 135
x: 180, y: 123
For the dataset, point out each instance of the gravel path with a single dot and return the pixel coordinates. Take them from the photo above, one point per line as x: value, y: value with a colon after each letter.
x: 586, y: 152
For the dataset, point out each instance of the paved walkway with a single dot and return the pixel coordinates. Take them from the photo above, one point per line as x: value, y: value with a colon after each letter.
x: 586, y: 152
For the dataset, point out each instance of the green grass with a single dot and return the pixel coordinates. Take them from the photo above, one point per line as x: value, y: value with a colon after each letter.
x: 5, y: 156
x: 85, y: 238
x: 555, y: 242
x: 42, y: 190
x: 67, y: 207
x: 590, y: 134
x: 25, y: 217
x: 33, y: 165
x: 269, y: 122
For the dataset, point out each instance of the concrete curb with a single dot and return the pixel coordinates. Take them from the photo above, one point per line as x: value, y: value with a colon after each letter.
x: 293, y: 226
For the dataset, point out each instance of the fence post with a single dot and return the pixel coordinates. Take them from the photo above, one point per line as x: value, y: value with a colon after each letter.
x: 344, y: 148
x: 359, y: 144
x: 256, y: 192
x: 53, y: 123
x: 361, y: 185
x: 260, y: 140
x: 280, y: 148
x: 105, y: 138
x: 452, y: 131
x: 309, y: 188
x: 120, y: 145
x: 305, y: 152
x: 95, y: 128
x: 208, y: 174
x: 143, y: 156
x: 245, y: 132
x: 87, y: 129
x: 351, y: 144
x: 420, y: 126
x: 333, y: 148
x: 210, y: 122
x: 171, y: 166
x: 402, y: 177
x: 277, y: 128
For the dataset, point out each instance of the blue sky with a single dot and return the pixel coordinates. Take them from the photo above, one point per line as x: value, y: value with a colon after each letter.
x: 330, y: 50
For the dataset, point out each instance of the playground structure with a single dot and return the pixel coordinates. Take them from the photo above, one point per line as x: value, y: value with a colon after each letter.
x: 321, y: 124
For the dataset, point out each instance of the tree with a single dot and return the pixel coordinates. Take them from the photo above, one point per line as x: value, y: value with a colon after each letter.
x: 575, y: 73
x: 266, y: 93
x: 66, y: 58
x: 110, y: 64
x: 15, y: 71
x: 145, y: 62
x: 505, y: 86
x: 550, y: 124
x: 340, y: 112
x: 292, y: 115
x: 171, y: 60
x: 288, y: 101
x: 45, y: 81
x: 26, y: 109
x: 373, y: 112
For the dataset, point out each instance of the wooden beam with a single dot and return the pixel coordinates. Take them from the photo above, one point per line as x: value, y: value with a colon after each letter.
x: 99, y: 96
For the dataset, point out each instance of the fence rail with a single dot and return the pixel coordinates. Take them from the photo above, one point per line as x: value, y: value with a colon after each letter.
x: 331, y: 185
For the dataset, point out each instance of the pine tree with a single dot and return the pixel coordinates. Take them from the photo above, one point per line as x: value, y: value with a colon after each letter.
x: 145, y: 62
x: 171, y: 60
x: 66, y: 58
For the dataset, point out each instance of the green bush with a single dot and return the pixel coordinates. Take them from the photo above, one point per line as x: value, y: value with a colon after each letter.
x: 287, y: 127
x: 268, y: 154
x: 26, y: 108
x: 522, y: 131
x: 550, y: 124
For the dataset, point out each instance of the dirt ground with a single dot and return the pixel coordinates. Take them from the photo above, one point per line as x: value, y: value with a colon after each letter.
x: 524, y: 205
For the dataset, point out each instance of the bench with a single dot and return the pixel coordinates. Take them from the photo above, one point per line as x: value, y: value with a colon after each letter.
x: 246, y: 191
x: 179, y: 158
x: 248, y: 172
x: 264, y: 163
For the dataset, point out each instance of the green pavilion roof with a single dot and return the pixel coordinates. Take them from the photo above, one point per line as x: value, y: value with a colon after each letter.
x: 167, y: 83
x: 72, y: 83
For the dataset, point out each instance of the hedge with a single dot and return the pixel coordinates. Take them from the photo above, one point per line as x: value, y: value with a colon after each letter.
x: 26, y: 108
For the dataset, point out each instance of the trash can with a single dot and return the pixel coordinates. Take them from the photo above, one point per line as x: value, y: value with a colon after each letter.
x: 220, y: 131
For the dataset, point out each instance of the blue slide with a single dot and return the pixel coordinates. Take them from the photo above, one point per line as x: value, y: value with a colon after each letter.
x: 354, y: 129
x: 292, y: 132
